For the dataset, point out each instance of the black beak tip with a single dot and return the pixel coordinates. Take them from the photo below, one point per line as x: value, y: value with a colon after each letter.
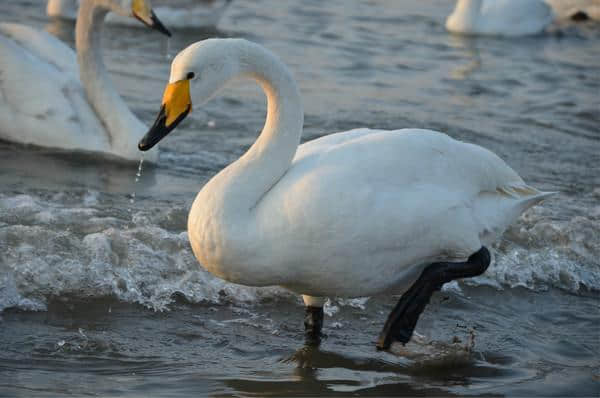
x: 159, y: 129
x: 156, y: 24
x: 142, y: 146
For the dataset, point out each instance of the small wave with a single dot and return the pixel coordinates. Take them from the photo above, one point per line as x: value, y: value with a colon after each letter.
x: 426, y: 356
x: 145, y: 260
x: 538, y: 253
x: 52, y: 246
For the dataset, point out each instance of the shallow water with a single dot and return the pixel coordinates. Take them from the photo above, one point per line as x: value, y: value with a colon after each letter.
x: 102, y: 296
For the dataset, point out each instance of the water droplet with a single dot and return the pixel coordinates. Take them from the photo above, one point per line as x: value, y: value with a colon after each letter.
x: 138, y: 174
x: 139, y: 171
x: 168, y: 55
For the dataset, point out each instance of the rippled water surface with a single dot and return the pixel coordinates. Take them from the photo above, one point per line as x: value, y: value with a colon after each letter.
x: 101, y: 295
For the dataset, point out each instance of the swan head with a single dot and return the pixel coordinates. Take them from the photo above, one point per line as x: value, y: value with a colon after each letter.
x: 208, y: 65
x: 139, y: 9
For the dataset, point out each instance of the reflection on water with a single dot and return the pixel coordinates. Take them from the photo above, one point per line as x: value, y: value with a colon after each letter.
x: 44, y: 168
x: 469, y: 45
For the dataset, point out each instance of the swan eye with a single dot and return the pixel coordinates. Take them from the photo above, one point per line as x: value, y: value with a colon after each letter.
x: 190, y: 75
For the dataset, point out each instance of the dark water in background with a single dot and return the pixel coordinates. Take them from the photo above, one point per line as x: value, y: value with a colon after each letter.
x: 102, y: 296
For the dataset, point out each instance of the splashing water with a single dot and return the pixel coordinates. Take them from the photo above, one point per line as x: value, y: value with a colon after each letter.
x: 139, y: 171
x: 137, y: 178
x: 168, y: 55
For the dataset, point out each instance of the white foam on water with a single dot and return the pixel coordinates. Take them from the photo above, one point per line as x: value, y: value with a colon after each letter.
x: 538, y: 253
x: 77, y: 245
x: 49, y: 250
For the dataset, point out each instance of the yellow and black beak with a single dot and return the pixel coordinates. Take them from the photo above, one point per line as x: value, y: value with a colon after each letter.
x: 141, y: 10
x: 176, y: 105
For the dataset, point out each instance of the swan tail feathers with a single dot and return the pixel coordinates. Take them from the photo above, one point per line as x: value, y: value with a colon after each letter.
x: 528, y: 201
x: 495, y: 211
x: 522, y: 191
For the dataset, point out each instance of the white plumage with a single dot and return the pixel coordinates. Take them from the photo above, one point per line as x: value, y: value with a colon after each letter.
x: 44, y: 102
x: 350, y: 214
x: 500, y: 17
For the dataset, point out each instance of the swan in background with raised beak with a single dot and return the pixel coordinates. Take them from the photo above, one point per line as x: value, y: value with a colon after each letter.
x: 352, y: 214
x: 44, y: 102
x: 204, y: 14
x: 500, y: 17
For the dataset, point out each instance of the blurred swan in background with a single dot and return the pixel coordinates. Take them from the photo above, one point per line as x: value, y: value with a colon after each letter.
x: 44, y: 102
x: 500, y: 17
x: 576, y: 9
x: 204, y: 14
x: 66, y: 9
x: 350, y: 214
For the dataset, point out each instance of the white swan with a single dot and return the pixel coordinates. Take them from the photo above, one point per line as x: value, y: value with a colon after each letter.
x: 43, y: 101
x: 206, y: 15
x: 576, y: 9
x: 500, y: 17
x: 350, y: 214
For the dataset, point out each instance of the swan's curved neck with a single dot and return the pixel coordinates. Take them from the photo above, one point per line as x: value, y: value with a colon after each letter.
x: 247, y: 180
x: 123, y: 128
x: 62, y: 8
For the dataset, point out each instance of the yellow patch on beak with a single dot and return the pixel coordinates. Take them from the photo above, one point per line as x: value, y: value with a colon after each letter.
x: 142, y: 10
x: 176, y: 100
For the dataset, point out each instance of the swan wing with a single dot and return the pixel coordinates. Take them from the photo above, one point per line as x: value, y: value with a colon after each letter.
x: 414, y: 154
x: 41, y: 99
x: 373, y: 204
x: 515, y: 17
x: 43, y: 46
x: 326, y: 142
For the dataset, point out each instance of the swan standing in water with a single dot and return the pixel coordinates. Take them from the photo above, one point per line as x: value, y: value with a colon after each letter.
x: 44, y: 102
x: 351, y: 214
x: 205, y: 15
x: 500, y: 17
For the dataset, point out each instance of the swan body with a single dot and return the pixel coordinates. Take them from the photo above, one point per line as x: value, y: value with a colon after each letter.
x: 43, y: 100
x: 200, y: 16
x: 351, y: 214
x: 54, y: 114
x: 357, y: 212
x: 500, y: 17
x: 566, y: 9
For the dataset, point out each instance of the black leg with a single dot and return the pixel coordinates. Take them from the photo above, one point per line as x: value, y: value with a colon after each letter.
x: 403, y: 318
x: 313, y: 323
